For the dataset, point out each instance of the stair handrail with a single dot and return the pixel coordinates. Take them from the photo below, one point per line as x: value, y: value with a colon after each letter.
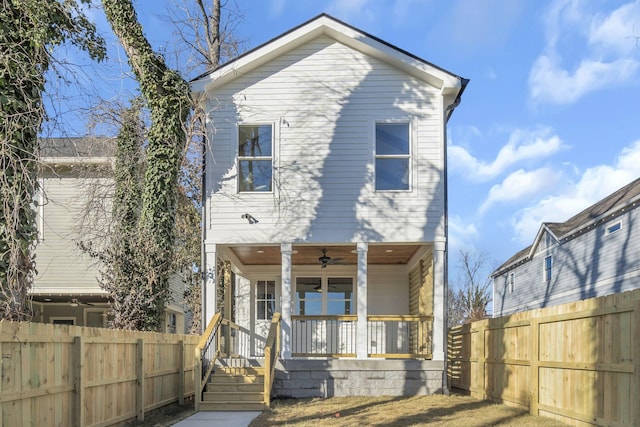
x: 206, y: 353
x: 271, y: 354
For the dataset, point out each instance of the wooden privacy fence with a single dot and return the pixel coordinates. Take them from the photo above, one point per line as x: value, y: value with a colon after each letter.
x: 54, y: 375
x: 578, y: 362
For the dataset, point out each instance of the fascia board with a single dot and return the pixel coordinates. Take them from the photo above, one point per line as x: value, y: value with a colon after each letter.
x: 446, y: 82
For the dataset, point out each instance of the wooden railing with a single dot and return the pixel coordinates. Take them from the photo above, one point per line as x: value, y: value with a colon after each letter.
x: 399, y: 336
x: 271, y: 354
x: 207, y: 351
x: 388, y: 336
x: 329, y: 336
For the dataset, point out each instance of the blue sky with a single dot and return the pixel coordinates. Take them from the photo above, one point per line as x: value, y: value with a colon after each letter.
x: 548, y: 125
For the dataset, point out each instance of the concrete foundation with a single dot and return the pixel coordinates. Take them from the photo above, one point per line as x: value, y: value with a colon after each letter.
x: 337, y: 377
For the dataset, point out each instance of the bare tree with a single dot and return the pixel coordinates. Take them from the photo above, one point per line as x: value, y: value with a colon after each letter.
x: 472, y: 293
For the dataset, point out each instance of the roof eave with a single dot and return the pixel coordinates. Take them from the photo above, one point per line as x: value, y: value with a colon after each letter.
x: 447, y: 82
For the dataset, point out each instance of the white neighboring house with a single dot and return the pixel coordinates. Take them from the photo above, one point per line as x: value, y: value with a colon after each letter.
x: 66, y: 288
x: 592, y: 254
x: 326, y: 201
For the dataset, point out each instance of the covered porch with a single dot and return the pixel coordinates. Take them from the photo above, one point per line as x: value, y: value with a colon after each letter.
x: 346, y: 301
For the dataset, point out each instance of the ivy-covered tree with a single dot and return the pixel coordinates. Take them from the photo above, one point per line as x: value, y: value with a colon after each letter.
x: 29, y: 29
x: 167, y: 97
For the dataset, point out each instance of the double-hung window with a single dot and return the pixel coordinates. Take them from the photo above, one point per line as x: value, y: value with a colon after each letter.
x: 255, y: 158
x: 393, y: 156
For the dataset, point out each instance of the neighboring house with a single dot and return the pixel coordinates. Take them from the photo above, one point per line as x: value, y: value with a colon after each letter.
x: 75, y: 189
x: 594, y: 253
x: 326, y: 201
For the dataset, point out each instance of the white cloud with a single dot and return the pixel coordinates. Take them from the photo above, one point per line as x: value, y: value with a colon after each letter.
x: 604, y: 41
x: 549, y: 82
x: 617, y: 30
x: 348, y: 10
x: 462, y: 234
x: 521, y: 185
x: 522, y: 145
x: 594, y: 184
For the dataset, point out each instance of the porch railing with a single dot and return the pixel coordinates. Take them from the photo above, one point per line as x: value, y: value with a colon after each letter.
x: 400, y: 336
x: 206, y: 353
x: 388, y: 336
x: 271, y: 354
x: 323, y: 336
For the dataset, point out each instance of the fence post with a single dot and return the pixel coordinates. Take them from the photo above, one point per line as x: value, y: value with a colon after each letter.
x: 181, y: 372
x: 140, y: 374
x: 636, y: 359
x: 481, y: 357
x: 197, y: 378
x: 78, y: 345
x: 534, y: 365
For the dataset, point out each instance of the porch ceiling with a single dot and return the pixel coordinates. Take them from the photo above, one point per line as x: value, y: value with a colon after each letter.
x: 308, y: 255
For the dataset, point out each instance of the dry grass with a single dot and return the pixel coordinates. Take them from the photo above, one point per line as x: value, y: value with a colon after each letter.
x: 398, y: 412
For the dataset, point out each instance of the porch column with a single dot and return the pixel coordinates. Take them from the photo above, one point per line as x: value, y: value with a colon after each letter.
x: 285, y: 300
x: 439, y: 312
x: 362, y: 341
x: 208, y: 294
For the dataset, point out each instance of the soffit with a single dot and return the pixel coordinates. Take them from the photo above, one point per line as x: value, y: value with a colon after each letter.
x: 308, y: 255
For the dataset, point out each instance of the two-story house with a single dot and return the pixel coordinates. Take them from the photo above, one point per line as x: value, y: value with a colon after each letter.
x: 594, y: 253
x: 73, y: 203
x: 326, y: 202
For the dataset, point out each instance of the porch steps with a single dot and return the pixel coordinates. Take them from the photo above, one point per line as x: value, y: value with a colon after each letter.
x: 235, y: 389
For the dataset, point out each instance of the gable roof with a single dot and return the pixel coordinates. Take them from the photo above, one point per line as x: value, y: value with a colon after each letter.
x: 323, y: 24
x: 612, y: 205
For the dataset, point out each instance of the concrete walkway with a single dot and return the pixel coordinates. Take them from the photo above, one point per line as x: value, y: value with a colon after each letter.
x: 222, y: 419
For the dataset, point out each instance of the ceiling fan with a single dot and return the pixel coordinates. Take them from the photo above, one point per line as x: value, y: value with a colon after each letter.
x: 326, y: 260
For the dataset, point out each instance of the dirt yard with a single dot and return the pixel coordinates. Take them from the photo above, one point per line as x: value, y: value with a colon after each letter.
x: 452, y: 410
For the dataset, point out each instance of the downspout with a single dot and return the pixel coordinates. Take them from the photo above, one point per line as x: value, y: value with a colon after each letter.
x: 447, y: 113
x: 203, y: 231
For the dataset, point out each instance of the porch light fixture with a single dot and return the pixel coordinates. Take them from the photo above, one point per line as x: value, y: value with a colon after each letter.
x: 389, y: 251
x: 259, y: 251
x: 249, y: 218
x: 74, y: 303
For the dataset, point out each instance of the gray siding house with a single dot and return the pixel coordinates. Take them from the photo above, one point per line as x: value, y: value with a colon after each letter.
x: 594, y: 253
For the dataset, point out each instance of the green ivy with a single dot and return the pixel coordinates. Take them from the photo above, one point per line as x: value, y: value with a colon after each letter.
x: 167, y: 97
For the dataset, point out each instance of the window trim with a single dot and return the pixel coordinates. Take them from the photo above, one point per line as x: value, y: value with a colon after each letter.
x: 614, y: 228
x: 52, y: 320
x: 324, y: 289
x: 511, y: 282
x: 272, y: 158
x: 547, y: 271
x: 409, y: 156
x: 264, y: 300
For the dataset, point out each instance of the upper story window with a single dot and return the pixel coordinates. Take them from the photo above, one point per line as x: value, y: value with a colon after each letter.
x: 393, y: 156
x: 548, y: 267
x: 255, y: 158
x: 614, y: 227
x: 512, y: 282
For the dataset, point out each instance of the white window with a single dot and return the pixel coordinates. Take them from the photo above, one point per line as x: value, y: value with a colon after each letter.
x: 614, y: 227
x: 392, y: 156
x: 548, y: 266
x: 324, y: 296
x: 255, y: 158
x: 265, y: 299
x: 512, y: 282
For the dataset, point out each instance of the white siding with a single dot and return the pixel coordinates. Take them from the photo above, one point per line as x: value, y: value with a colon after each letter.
x: 323, y: 100
x: 60, y: 264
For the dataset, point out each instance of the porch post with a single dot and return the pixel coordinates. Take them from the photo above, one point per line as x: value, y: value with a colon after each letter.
x: 285, y: 300
x: 208, y: 294
x: 439, y: 312
x: 362, y: 341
